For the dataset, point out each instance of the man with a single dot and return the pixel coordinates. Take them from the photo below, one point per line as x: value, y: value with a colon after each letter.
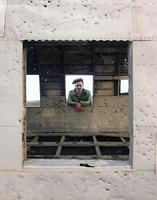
x: 79, y: 97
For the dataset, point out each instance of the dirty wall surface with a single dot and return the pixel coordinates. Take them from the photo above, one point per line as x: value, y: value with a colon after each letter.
x: 78, y: 185
x: 86, y: 20
x: 108, y: 113
x: 131, y: 23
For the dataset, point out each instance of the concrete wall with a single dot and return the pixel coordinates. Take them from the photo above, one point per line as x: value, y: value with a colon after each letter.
x: 116, y: 183
x: 108, y: 113
x: 78, y: 185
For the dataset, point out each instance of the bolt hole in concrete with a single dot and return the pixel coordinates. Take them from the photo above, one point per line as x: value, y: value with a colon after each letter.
x: 55, y: 128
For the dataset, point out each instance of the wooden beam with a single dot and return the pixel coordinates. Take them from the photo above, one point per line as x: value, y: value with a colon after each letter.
x: 123, y: 134
x: 104, y: 157
x: 78, y: 144
x: 60, y: 146
x: 97, y: 146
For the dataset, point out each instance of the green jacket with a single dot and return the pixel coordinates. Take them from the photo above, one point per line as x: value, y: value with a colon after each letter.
x: 85, y: 98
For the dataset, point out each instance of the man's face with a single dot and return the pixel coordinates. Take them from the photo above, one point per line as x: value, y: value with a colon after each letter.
x: 79, y: 87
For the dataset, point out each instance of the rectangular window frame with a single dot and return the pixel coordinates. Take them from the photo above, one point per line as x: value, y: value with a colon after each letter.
x: 85, y: 164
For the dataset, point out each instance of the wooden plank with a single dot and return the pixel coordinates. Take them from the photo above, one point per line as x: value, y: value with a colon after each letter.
x: 52, y: 77
x: 101, y: 85
x: 102, y: 59
x: 34, y: 140
x: 50, y: 58
x: 96, y: 146
x: 52, y: 85
x: 52, y: 92
x: 104, y: 157
x: 78, y: 69
x: 123, y: 140
x: 111, y: 50
x: 48, y: 50
x: 109, y: 78
x: 79, y: 50
x: 47, y: 134
x: 50, y: 69
x: 103, y: 92
x: 101, y: 78
x: 77, y: 60
x: 60, y: 146
x: 78, y: 144
x: 104, y: 69
x: 42, y: 144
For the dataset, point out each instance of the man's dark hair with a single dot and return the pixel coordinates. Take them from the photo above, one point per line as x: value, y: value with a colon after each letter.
x: 77, y: 80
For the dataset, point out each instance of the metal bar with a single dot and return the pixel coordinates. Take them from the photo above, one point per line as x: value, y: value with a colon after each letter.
x: 96, y: 146
x: 60, y: 146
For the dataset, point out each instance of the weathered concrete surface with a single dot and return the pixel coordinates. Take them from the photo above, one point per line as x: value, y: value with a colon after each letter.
x: 144, y: 107
x: 78, y: 185
x: 79, y: 18
x: 147, y: 19
x: 11, y: 104
x: 132, y: 20
x: 109, y: 113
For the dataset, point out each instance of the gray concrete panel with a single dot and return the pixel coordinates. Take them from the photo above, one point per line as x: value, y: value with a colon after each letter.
x: 11, y: 147
x: 144, y: 106
x: 92, y: 20
x: 11, y: 104
x: 78, y: 185
x: 148, y: 19
x: 11, y: 79
x: 69, y: 20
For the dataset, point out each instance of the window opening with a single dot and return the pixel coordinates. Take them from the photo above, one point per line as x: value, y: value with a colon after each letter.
x: 79, y: 91
x: 124, y: 86
x: 55, y: 130
x: 32, y: 91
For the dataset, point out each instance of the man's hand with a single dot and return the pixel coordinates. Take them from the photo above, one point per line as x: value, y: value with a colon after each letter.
x: 79, y: 108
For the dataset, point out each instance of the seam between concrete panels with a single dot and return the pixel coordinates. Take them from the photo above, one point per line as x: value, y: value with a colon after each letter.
x: 77, y: 170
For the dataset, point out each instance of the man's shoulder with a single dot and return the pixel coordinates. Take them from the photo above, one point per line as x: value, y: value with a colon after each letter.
x: 71, y: 92
x: 86, y: 91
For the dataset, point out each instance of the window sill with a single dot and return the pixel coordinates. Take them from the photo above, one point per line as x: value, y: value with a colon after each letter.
x: 77, y: 165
